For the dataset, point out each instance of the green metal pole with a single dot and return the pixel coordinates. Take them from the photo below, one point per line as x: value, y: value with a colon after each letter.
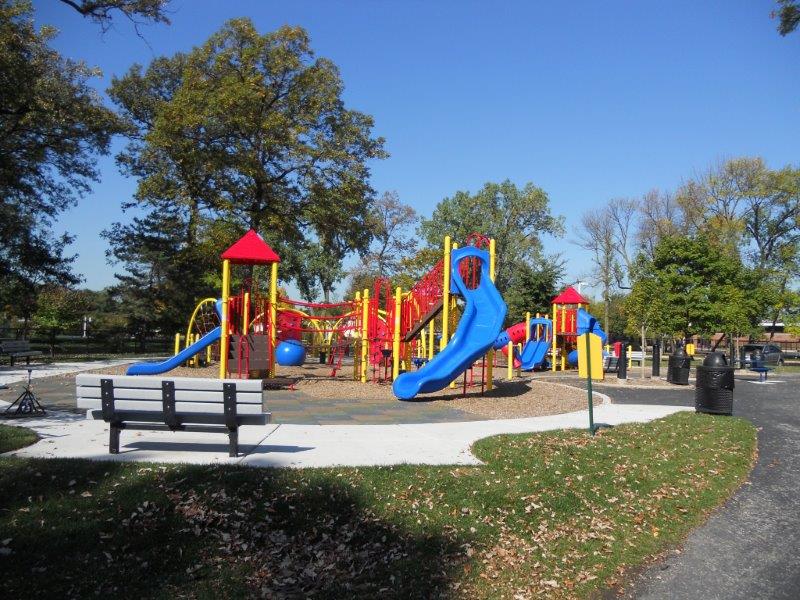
x: 589, y: 382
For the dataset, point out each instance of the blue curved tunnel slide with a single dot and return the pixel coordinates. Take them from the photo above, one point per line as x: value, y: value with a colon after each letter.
x: 477, y: 330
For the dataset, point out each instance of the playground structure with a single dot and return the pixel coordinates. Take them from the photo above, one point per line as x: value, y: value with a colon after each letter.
x: 448, y: 325
x: 571, y: 319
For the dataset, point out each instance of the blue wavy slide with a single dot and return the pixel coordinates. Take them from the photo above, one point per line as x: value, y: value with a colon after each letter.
x: 534, y: 351
x: 155, y: 368
x: 477, y: 330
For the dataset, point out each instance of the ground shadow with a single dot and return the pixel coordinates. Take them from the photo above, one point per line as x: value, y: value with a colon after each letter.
x: 209, y: 531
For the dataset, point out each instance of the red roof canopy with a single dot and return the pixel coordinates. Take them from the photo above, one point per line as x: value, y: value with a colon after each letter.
x: 570, y: 296
x: 251, y: 249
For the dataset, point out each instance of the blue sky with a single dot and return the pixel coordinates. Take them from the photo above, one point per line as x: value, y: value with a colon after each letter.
x: 588, y: 100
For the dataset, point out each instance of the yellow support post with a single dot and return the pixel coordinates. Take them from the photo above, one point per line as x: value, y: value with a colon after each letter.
x: 555, y: 337
x: 431, y: 338
x: 519, y: 369
x: 527, y: 327
x: 364, y: 334
x: 177, y: 343
x: 630, y: 359
x: 490, y: 354
x: 208, y: 355
x: 398, y: 294
x: 446, y: 296
x: 223, y: 324
x: 510, y: 366
x: 273, y: 317
x: 357, y: 358
x: 451, y: 324
x: 246, y: 313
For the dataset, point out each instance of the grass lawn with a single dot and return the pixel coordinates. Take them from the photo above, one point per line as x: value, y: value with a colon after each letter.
x: 12, y: 438
x: 558, y: 514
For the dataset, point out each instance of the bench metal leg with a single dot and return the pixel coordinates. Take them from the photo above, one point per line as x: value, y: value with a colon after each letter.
x: 113, y: 442
x: 233, y: 442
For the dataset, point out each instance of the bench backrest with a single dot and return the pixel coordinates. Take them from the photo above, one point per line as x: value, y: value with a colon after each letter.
x: 193, y: 395
x: 11, y: 346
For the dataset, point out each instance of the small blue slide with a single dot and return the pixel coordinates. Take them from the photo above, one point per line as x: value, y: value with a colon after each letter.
x: 477, y: 330
x: 154, y: 368
x: 534, y: 351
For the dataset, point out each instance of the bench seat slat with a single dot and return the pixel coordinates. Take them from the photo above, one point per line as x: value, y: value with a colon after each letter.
x: 121, y: 393
x: 180, y: 407
x: 181, y: 383
x: 132, y: 416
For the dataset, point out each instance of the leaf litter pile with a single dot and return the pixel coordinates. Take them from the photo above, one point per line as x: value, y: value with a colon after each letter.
x: 558, y: 514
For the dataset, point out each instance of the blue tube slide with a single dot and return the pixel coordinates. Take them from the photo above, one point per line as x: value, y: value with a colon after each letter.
x: 477, y: 330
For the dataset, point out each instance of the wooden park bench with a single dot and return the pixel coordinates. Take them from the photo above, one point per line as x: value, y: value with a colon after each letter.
x: 18, y: 349
x: 172, y: 403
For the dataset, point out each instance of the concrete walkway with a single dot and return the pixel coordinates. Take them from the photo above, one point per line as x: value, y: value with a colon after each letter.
x: 17, y: 373
x: 67, y: 435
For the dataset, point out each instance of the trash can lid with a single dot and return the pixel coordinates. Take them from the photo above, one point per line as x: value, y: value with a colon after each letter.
x: 716, y: 359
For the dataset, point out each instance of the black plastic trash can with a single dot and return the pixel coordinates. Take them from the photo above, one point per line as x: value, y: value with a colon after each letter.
x: 713, y: 392
x: 678, y: 367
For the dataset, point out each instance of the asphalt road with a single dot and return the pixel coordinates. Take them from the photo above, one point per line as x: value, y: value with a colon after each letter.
x: 750, y: 548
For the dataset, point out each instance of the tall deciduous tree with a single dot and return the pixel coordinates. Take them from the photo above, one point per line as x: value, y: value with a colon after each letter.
x: 608, y: 234
x: 517, y: 218
x: 52, y: 126
x: 753, y: 212
x: 137, y: 11
x: 392, y: 224
x: 59, y: 309
x: 687, y: 289
x: 252, y: 128
x: 788, y: 14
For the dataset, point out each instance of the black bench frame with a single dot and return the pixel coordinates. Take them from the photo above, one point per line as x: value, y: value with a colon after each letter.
x: 25, y: 351
x: 167, y: 419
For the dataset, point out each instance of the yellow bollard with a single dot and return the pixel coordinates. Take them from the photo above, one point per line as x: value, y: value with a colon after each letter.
x: 527, y: 327
x: 630, y: 360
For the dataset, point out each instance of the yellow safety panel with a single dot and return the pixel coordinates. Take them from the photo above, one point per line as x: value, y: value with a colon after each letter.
x: 596, y: 348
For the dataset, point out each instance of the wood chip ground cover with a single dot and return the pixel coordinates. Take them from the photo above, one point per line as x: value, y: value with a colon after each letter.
x: 558, y: 515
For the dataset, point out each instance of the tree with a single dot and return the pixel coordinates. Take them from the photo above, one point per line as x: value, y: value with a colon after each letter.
x: 392, y: 224
x: 687, y: 289
x: 659, y: 217
x: 752, y: 212
x: 516, y: 218
x: 52, y: 126
x: 788, y: 15
x: 393, y: 249
x: 532, y: 289
x: 58, y: 309
x: 252, y: 128
x: 608, y: 234
x: 137, y: 11
x: 163, y: 278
